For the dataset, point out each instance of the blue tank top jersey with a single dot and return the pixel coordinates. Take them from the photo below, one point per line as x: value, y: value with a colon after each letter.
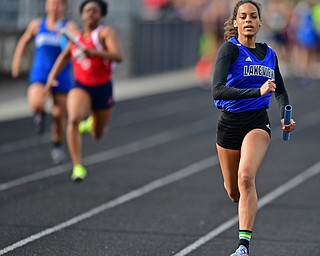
x: 249, y: 72
x: 47, y: 49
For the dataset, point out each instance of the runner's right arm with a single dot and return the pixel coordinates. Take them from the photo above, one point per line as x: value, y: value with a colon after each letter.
x: 22, y: 44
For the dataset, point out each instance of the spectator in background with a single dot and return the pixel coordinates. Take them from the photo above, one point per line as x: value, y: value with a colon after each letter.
x: 190, y: 10
x: 47, y: 41
x: 307, y: 39
x: 288, y: 27
x: 277, y: 24
x: 152, y: 8
x: 212, y: 19
x: 316, y: 18
x: 316, y: 15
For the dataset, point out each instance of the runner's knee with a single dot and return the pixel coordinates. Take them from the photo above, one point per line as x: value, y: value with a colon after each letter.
x: 233, y: 194
x: 245, y: 182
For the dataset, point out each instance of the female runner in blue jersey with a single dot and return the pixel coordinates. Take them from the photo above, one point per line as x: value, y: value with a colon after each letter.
x: 48, y: 46
x: 246, y: 74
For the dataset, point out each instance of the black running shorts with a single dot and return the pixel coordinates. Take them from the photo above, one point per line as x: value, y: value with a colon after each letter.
x: 101, y: 96
x: 233, y: 127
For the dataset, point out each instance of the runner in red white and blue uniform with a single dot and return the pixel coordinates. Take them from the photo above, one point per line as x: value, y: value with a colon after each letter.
x: 92, y: 92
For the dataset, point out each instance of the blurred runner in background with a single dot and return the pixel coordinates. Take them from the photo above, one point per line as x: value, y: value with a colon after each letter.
x: 48, y: 46
x: 92, y: 92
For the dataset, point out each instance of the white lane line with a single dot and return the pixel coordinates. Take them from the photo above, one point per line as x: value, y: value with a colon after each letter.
x: 165, y: 109
x: 156, y: 184
x: 267, y: 199
x: 133, y: 147
x: 25, y: 143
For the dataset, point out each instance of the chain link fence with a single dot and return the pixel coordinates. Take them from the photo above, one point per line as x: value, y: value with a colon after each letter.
x: 149, y: 47
x: 16, y: 14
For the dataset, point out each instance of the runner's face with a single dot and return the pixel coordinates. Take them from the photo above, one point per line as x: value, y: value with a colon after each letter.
x: 55, y: 7
x: 91, y: 14
x: 248, y: 21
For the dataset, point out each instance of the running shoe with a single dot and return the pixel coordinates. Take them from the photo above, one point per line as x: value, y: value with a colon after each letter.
x: 57, y: 154
x: 39, y: 122
x: 85, y: 126
x: 241, y: 251
x: 78, y: 173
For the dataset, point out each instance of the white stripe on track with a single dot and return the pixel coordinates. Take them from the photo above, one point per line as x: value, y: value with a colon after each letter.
x: 154, y: 185
x: 25, y: 143
x: 267, y: 199
x: 136, y: 146
x: 124, y: 119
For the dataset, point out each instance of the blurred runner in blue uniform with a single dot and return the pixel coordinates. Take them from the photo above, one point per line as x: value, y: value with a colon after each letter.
x: 48, y: 45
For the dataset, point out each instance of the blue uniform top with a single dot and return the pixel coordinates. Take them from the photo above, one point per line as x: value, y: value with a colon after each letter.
x: 249, y: 72
x: 47, y: 49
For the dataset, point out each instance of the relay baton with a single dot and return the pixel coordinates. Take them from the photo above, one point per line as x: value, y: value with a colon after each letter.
x: 72, y: 38
x: 287, y: 120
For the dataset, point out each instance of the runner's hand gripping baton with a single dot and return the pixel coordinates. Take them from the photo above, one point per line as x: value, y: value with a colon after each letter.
x: 287, y: 119
x: 72, y: 38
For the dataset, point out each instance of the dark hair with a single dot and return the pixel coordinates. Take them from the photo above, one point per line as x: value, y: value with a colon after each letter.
x: 229, y: 29
x: 102, y: 4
